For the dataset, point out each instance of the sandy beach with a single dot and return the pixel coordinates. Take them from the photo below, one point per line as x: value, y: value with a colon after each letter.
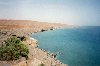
x: 25, y: 28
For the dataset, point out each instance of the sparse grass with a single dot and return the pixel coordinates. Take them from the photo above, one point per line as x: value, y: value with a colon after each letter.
x: 13, y: 49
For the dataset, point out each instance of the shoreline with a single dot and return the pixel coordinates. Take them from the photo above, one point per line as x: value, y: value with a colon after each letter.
x: 36, y: 55
x: 52, y: 55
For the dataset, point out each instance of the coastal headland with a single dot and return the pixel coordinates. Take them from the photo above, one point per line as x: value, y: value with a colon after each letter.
x: 24, y: 28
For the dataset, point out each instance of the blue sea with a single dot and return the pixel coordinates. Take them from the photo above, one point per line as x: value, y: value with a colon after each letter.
x: 78, y: 46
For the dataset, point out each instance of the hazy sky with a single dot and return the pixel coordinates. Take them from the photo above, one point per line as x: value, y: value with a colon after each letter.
x: 78, y: 12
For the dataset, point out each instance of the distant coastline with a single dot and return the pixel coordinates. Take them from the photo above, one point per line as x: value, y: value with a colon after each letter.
x: 25, y: 28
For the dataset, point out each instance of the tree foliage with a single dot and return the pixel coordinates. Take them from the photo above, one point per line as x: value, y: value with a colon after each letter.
x: 13, y: 49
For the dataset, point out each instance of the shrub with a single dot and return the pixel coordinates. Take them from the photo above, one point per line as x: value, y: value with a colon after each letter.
x: 41, y: 64
x: 13, y: 49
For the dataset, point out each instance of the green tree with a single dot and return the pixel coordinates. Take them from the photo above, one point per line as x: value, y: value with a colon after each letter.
x: 13, y: 49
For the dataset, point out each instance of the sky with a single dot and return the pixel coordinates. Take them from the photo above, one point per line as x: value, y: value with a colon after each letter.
x: 76, y: 12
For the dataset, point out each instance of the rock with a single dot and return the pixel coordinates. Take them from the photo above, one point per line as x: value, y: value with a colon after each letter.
x: 4, y: 32
x: 14, y: 35
x: 23, y: 38
x: 43, y: 30
x: 51, y: 29
x: 53, y: 55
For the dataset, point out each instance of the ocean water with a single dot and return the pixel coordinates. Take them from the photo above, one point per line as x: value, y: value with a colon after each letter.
x: 78, y: 46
